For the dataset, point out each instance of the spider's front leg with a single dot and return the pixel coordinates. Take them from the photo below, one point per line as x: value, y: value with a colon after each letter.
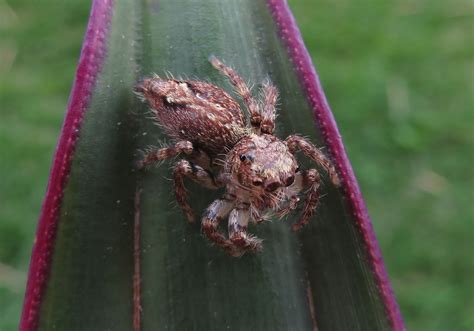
x: 295, y: 142
x: 214, y: 214
x: 196, y: 173
x: 291, y: 193
x: 293, y: 201
x: 311, y: 179
x: 238, y: 222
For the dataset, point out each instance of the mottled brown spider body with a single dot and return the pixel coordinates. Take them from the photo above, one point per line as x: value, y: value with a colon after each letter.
x: 195, y: 111
x: 223, y: 149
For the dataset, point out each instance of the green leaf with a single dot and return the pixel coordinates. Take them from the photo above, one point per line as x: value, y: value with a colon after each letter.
x: 328, y: 276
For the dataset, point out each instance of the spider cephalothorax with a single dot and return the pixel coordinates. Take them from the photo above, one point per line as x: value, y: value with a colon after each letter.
x: 223, y: 148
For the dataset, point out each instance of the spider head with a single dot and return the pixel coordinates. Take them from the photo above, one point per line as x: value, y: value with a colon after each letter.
x: 262, y: 163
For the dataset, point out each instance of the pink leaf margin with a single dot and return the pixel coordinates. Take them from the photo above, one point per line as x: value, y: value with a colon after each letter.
x: 324, y: 120
x: 90, y: 64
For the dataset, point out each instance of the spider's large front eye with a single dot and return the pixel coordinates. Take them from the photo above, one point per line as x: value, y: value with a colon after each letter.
x: 272, y: 186
x: 257, y: 182
x: 243, y: 157
x: 290, y: 180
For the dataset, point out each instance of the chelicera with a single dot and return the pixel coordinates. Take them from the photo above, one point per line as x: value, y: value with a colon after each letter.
x: 225, y: 148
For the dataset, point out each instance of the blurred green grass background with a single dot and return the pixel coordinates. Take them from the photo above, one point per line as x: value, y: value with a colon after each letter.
x: 399, y: 77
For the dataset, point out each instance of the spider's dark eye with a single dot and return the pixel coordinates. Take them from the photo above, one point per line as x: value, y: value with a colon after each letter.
x: 257, y: 182
x: 297, y: 169
x: 290, y: 180
x: 272, y: 186
x: 243, y: 157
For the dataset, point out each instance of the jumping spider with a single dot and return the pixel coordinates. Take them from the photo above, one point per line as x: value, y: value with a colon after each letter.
x: 258, y: 170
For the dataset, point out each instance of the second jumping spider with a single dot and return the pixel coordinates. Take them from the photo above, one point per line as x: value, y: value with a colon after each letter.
x: 224, y: 148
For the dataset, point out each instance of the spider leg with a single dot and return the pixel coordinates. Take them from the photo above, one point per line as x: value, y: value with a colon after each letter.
x: 291, y: 193
x: 270, y: 96
x: 198, y: 174
x: 238, y: 222
x: 295, y: 142
x: 292, y: 204
x: 159, y: 154
x: 241, y: 88
x: 312, y: 180
x: 210, y: 222
x: 256, y: 217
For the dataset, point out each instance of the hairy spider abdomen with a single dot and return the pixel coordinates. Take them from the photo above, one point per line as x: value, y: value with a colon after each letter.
x: 195, y: 111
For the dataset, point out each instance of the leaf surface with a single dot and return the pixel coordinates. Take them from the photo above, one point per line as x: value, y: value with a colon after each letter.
x: 329, y: 276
